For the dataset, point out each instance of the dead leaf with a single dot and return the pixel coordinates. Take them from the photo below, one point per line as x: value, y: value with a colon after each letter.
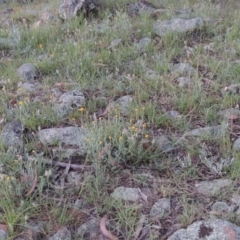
x: 64, y: 84
x: 104, y: 230
x: 139, y: 227
x: 142, y: 195
x: 66, y: 171
x: 34, y: 183
x: 1, y: 120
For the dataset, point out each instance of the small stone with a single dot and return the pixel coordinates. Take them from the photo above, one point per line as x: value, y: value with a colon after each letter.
x: 126, y: 194
x: 12, y: 137
x: 162, y: 143
x: 214, y: 131
x: 122, y: 104
x: 115, y: 43
x: 27, y: 72
x: 176, y: 25
x: 230, y: 113
x: 161, y: 208
x: 28, y: 86
x: 183, y: 81
x: 151, y: 74
x: 67, y: 142
x: 143, y: 43
x: 183, y: 69
x: 89, y: 230
x: 220, y: 208
x: 210, y: 188
x: 236, y: 145
x: 172, y: 114
x: 68, y: 102
x: 61, y: 234
x: 212, y: 229
x: 3, y: 234
x: 234, y: 88
x: 80, y: 204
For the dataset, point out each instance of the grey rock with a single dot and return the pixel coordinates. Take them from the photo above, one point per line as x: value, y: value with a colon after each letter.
x: 172, y: 114
x: 89, y: 230
x: 183, y: 81
x: 69, y: 141
x: 80, y: 204
x: 4, y: 1
x: 115, y: 43
x: 126, y: 194
x: 29, y: 86
x: 210, y: 188
x: 162, y: 143
x: 220, y: 208
x: 12, y: 137
x: 27, y: 72
x: 233, y: 88
x: 70, y: 8
x: 151, y: 74
x: 213, y: 229
x: 161, y: 208
x: 122, y: 104
x: 230, y: 113
x: 236, y: 199
x: 43, y: 57
x: 236, y: 145
x: 61, y: 234
x: 143, y: 43
x: 7, y: 43
x: 68, y: 102
x: 3, y: 234
x: 141, y: 7
x: 183, y: 69
x: 177, y: 25
x: 214, y: 131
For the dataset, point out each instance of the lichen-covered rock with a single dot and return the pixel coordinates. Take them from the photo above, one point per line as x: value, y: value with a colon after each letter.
x: 177, y: 25
x: 27, y: 72
x: 63, y: 233
x: 68, y: 102
x: 213, y: 229
x: 70, y: 8
x: 12, y: 137
x: 67, y: 141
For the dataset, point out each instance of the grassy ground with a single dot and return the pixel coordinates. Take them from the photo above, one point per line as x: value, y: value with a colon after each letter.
x: 79, y: 53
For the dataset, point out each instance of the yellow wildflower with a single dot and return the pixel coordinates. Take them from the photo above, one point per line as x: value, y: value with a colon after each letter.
x: 40, y: 46
x: 81, y: 109
x: 147, y: 136
x: 20, y: 103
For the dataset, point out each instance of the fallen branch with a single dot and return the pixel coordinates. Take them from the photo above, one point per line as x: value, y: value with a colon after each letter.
x: 62, y: 164
x: 104, y: 230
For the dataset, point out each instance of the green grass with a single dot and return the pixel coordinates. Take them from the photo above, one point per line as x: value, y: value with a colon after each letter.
x: 120, y: 144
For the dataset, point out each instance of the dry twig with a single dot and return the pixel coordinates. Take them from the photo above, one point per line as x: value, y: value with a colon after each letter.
x: 104, y: 230
x: 34, y: 183
x: 73, y: 166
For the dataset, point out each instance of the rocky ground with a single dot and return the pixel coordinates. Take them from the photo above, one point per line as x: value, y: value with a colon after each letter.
x: 119, y: 120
